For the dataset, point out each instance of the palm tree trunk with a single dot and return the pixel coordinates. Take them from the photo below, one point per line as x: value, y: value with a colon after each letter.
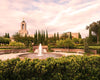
x: 97, y: 38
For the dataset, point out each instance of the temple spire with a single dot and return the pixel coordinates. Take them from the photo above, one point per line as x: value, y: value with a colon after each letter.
x: 23, y: 30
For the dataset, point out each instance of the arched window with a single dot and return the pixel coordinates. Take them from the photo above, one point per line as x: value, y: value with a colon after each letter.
x: 22, y: 26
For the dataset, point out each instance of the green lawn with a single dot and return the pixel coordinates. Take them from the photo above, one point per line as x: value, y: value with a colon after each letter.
x: 92, y: 47
x: 4, y: 49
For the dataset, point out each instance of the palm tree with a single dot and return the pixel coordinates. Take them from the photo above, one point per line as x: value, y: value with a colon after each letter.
x: 95, y: 27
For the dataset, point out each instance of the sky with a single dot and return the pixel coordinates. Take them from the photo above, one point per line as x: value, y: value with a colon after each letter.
x: 53, y: 15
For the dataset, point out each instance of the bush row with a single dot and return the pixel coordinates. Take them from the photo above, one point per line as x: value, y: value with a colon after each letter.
x: 64, y: 68
x: 4, y: 40
x: 13, y: 45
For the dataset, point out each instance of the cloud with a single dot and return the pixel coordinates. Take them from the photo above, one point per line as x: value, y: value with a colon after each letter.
x: 54, y: 15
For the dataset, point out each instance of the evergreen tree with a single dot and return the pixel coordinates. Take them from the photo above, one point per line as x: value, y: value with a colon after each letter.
x: 42, y: 38
x: 86, y: 47
x: 46, y: 35
x: 39, y: 37
x: 57, y: 35
x: 6, y: 35
x: 79, y: 35
x: 46, y: 41
x: 90, y: 38
x: 54, y: 37
x: 99, y: 34
x: 35, y: 38
x: 70, y: 36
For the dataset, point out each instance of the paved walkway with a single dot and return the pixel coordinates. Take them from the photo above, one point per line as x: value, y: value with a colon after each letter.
x: 15, y: 55
x: 10, y: 56
x: 67, y: 54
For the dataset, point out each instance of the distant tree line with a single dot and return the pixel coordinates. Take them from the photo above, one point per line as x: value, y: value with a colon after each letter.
x: 7, y: 35
x: 52, y: 40
x: 64, y: 41
x: 27, y: 40
x: 41, y: 37
x: 5, y: 39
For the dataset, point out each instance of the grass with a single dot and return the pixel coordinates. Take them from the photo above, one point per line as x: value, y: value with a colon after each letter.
x: 31, y: 51
x: 91, y: 47
x: 4, y: 49
x: 94, y: 47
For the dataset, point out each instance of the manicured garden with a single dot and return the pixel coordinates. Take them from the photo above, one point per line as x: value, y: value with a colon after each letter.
x: 64, y: 68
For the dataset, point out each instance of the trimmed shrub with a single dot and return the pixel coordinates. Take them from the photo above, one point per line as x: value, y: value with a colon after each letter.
x: 67, y: 43
x: 64, y: 68
x: 4, y: 40
x: 17, y: 44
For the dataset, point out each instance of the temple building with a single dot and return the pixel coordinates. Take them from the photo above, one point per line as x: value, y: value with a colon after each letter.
x: 74, y: 35
x: 23, y: 30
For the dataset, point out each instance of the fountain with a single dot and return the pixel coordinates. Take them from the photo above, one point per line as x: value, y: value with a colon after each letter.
x: 40, y: 53
x: 40, y: 50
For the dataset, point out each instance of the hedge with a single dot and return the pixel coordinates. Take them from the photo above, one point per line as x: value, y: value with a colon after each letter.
x: 64, y: 68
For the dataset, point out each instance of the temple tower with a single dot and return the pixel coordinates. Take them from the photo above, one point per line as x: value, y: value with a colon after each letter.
x: 23, y: 30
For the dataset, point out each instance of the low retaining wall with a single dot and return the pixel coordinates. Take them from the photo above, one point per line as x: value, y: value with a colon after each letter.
x: 71, y: 50
x: 43, y: 47
x: 13, y: 51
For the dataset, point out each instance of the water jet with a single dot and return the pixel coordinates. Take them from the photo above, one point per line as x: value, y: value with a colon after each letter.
x: 40, y: 50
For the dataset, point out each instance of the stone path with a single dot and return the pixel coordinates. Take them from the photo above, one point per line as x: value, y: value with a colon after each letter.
x: 67, y: 54
x: 15, y: 55
x: 10, y: 56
